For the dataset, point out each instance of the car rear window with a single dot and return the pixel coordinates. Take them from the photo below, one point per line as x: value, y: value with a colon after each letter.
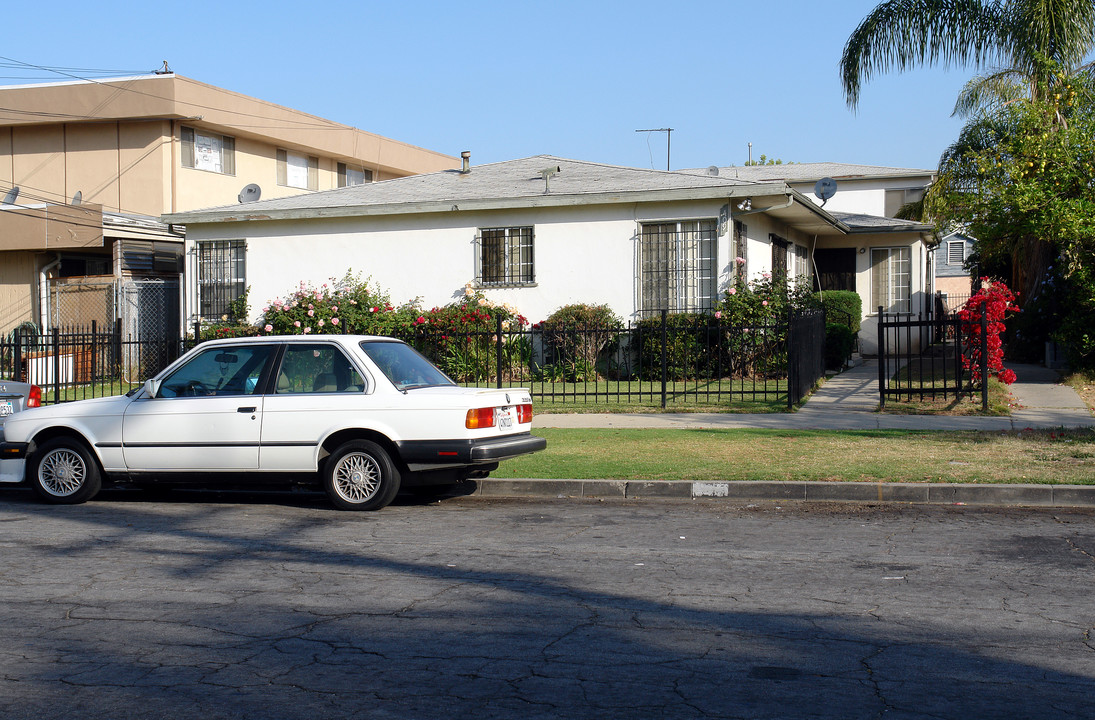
x: 402, y: 364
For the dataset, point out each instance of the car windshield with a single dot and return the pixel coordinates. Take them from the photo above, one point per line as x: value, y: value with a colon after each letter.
x: 403, y: 365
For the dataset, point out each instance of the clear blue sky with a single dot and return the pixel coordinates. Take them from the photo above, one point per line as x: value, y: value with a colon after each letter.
x: 512, y: 79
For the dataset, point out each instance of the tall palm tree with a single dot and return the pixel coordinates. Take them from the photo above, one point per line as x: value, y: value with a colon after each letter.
x: 1017, y: 37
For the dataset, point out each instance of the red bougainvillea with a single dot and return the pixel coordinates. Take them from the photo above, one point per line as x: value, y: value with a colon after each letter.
x: 994, y: 300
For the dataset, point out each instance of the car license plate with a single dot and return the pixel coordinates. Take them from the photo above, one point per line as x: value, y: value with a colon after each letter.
x: 506, y: 418
x: 6, y: 408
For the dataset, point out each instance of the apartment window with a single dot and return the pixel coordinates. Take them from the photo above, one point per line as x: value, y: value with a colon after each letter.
x: 891, y: 279
x: 505, y: 256
x: 956, y: 252
x: 353, y: 175
x: 221, y: 276
x: 214, y: 153
x: 677, y: 266
x: 741, y: 249
x: 297, y: 170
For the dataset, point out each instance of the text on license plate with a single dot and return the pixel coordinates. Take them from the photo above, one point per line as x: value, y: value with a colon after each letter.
x: 6, y: 408
x: 506, y: 417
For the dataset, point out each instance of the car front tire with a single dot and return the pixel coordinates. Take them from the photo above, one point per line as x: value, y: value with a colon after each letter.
x: 64, y: 472
x: 360, y: 475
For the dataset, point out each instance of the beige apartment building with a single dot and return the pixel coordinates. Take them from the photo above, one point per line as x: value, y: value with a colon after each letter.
x: 146, y: 146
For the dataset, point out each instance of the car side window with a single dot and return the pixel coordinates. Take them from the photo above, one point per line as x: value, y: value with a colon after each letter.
x: 223, y: 370
x: 318, y: 368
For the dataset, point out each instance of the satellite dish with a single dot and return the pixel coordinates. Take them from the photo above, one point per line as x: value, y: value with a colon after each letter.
x: 78, y: 197
x: 250, y: 193
x: 824, y: 189
x: 713, y: 170
x: 9, y: 199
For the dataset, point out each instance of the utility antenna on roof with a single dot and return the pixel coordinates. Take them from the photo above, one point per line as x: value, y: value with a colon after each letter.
x: 668, y: 136
x: 824, y: 189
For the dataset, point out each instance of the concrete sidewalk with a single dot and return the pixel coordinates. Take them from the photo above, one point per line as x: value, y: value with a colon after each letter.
x: 849, y: 401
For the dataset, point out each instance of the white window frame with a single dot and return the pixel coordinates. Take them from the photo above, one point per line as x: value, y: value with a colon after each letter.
x: 891, y: 279
x: 208, y: 152
x: 297, y: 170
x: 959, y: 257
x: 678, y: 265
x: 505, y: 256
x: 351, y: 175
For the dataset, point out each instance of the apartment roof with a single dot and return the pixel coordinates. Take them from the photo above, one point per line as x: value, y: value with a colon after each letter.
x: 174, y: 97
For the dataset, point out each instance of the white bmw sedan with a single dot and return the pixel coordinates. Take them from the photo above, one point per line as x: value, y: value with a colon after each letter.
x: 361, y: 415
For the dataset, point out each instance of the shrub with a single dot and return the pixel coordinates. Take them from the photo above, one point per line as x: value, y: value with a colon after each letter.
x: 575, y: 336
x: 842, y: 307
x: 694, y: 346
x: 347, y: 306
x: 465, y: 343
x: 839, y: 341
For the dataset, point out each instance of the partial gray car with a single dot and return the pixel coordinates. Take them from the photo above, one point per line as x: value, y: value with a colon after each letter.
x: 16, y: 397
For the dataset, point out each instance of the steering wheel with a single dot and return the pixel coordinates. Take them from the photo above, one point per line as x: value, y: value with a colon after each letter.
x: 195, y: 388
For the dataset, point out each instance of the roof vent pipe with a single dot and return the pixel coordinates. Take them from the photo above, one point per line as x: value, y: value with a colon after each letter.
x: 466, y: 157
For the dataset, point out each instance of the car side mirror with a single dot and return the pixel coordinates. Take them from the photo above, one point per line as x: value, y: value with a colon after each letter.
x: 151, y: 388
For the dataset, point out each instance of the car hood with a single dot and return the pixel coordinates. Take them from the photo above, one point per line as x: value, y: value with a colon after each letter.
x: 114, y: 405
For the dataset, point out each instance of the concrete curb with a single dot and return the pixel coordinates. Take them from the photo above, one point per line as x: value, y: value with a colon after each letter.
x: 934, y: 493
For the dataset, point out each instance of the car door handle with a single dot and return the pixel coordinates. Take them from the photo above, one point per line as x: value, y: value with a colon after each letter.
x: 247, y: 409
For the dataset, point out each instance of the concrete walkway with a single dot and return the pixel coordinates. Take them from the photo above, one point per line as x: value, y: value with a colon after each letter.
x: 849, y: 401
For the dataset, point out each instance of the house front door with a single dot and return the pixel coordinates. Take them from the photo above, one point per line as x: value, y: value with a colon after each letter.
x: 835, y: 269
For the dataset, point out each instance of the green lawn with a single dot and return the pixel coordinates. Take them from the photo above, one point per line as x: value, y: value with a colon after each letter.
x: 1061, y: 457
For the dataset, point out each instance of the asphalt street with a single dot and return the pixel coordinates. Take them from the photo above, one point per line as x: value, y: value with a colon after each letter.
x: 206, y: 605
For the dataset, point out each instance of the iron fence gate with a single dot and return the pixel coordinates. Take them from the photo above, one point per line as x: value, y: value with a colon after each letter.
x: 926, y: 357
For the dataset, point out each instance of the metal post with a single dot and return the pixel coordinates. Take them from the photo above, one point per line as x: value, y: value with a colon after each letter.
x: 881, y: 360
x: 792, y: 371
x: 665, y: 356
x: 56, y: 336
x: 498, y: 348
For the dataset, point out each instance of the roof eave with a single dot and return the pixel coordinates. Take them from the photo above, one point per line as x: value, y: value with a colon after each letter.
x: 241, y: 214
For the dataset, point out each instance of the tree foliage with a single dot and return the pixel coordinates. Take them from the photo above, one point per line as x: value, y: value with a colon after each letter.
x: 1010, y: 39
x: 1020, y: 179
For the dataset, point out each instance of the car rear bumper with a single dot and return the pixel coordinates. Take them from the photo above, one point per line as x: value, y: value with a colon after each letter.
x: 468, y: 452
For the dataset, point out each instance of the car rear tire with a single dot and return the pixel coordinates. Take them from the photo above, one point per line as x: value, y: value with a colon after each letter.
x: 64, y: 472
x: 360, y: 475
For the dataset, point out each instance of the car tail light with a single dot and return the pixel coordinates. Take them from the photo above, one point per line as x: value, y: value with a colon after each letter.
x: 34, y: 397
x: 480, y: 418
x: 524, y: 414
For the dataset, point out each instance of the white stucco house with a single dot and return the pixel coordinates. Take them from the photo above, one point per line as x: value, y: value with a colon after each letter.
x: 543, y: 232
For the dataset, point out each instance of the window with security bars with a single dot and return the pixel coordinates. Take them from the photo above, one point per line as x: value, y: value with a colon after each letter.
x: 891, y: 279
x: 677, y: 266
x: 504, y: 256
x: 221, y: 276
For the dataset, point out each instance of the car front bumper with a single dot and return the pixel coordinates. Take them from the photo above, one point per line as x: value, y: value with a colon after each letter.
x: 13, y: 461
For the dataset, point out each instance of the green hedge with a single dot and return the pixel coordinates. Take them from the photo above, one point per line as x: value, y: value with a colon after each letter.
x: 839, y: 340
x: 843, y: 307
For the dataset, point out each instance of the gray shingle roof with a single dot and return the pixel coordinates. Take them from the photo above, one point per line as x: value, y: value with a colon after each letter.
x: 512, y: 180
x: 857, y: 222
x: 809, y: 172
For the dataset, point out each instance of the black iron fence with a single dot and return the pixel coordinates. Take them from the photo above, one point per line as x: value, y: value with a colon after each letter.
x: 83, y: 362
x: 921, y: 358
x: 658, y: 362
